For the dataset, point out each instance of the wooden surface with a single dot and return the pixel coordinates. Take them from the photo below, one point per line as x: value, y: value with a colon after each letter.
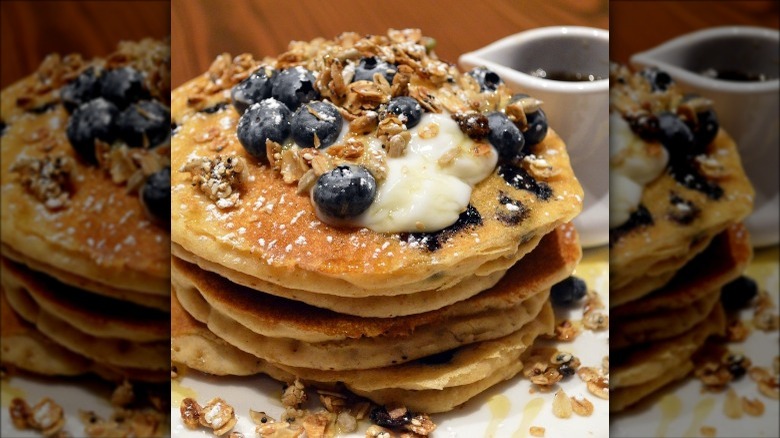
x: 203, y: 29
x: 32, y: 29
x: 639, y: 25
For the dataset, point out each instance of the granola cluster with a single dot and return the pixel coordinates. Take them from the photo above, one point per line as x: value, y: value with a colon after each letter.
x: 47, y: 178
x: 131, y: 166
x: 45, y: 417
x: 546, y: 366
x: 438, y: 87
x: 340, y: 413
x: 633, y: 96
x: 218, y: 178
x: 594, y: 318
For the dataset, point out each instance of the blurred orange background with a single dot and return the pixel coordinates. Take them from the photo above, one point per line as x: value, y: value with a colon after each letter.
x: 31, y: 30
x: 636, y: 26
x: 202, y: 29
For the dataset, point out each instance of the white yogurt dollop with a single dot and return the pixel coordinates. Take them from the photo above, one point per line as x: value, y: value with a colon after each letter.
x: 422, y: 191
x: 633, y: 164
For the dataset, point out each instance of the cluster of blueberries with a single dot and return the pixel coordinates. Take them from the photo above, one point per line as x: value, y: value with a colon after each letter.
x: 115, y: 105
x: 681, y: 138
x: 275, y: 105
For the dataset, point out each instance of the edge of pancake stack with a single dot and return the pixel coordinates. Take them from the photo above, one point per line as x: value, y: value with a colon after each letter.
x: 680, y: 193
x: 85, y: 210
x: 267, y: 278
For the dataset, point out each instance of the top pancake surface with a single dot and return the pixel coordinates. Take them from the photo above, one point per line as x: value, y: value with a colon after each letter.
x: 102, y: 233
x: 274, y: 235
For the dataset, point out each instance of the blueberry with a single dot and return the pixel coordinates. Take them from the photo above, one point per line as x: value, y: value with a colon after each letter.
x: 505, y: 136
x: 344, y: 192
x: 487, y: 80
x: 536, y: 128
x: 156, y: 195
x: 707, y: 128
x: 267, y: 120
x: 252, y: 89
x: 316, y: 119
x: 381, y: 417
x: 368, y: 66
x: 294, y: 87
x: 566, y: 370
x: 90, y: 121
x: 123, y: 86
x: 659, y: 80
x: 706, y: 125
x: 675, y: 135
x: 645, y: 126
x: 144, y: 124
x: 738, y: 293
x: 82, y: 89
x: 408, y: 107
x: 736, y: 369
x: 568, y: 291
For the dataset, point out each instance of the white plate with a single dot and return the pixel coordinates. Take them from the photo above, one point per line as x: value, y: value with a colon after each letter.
x: 660, y: 418
x: 506, y: 410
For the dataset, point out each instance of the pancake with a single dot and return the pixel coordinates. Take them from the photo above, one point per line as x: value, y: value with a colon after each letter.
x: 367, y: 352
x: 724, y: 260
x: 622, y: 398
x: 144, y: 358
x: 153, y: 356
x: 93, y: 314
x: 643, y: 363
x: 24, y: 347
x: 550, y: 262
x: 193, y: 345
x: 273, y: 234
x: 99, y: 231
x: 699, y: 188
x: 442, y: 383
x: 654, y: 326
x: 144, y: 299
x: 279, y: 317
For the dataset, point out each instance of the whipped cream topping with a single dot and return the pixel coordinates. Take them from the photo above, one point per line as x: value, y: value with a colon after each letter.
x: 425, y: 190
x: 633, y: 164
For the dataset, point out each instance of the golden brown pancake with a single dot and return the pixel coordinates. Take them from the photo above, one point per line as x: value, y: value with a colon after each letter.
x: 655, y: 326
x: 93, y: 314
x: 667, y: 245
x: 144, y: 299
x: 550, y: 262
x: 442, y: 382
x: 280, y: 317
x: 643, y: 363
x: 723, y: 260
x: 365, y: 352
x: 622, y: 398
x: 273, y: 234
x: 101, y: 232
x: 25, y: 347
x: 701, y: 191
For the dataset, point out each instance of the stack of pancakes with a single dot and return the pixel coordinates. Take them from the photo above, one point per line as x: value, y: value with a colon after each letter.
x: 668, y: 264
x: 428, y: 320
x: 85, y: 280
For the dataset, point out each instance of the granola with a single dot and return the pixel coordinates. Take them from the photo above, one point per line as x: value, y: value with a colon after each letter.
x: 218, y: 178
x: 47, y: 178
